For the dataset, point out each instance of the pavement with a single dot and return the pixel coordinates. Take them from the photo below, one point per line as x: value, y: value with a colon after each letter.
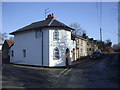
x: 74, y: 63
x: 30, y: 76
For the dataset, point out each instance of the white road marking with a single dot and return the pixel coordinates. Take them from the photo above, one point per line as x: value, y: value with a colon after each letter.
x: 65, y: 71
x: 68, y: 71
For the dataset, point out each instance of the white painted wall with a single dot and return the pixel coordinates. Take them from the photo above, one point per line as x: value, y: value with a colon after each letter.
x: 45, y: 47
x: 63, y: 43
x: 0, y: 51
x: 0, y: 47
x: 73, y: 46
x: 32, y: 46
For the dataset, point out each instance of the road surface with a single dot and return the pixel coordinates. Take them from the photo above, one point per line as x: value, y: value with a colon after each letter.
x: 101, y: 73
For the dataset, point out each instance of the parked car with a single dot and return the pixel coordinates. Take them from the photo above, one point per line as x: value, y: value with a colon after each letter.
x: 96, y: 55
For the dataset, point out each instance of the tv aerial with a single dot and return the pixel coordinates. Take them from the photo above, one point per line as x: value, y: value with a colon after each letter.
x: 46, y: 11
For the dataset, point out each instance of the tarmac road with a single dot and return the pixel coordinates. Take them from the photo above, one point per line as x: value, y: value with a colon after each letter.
x: 102, y: 73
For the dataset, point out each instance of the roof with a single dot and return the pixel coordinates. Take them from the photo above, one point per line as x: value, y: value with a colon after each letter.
x: 49, y: 22
x: 9, y: 42
x: 73, y: 35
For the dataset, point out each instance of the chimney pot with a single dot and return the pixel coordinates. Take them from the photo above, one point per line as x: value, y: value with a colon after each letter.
x: 50, y: 15
x: 53, y: 16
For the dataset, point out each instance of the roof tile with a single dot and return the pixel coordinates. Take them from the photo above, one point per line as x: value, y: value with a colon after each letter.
x: 44, y: 23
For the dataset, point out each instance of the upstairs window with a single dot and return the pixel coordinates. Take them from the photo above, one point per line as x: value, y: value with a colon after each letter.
x: 56, y: 35
x: 81, y: 50
x: 56, y: 53
x: 77, y: 42
x: 24, y: 53
x: 12, y: 53
x: 37, y: 34
x: 87, y: 49
x: 90, y: 49
x: 87, y: 43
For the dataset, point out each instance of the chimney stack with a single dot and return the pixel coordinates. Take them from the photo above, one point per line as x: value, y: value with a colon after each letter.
x: 51, y: 16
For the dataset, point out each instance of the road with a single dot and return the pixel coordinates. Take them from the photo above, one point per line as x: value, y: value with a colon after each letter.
x: 101, y: 73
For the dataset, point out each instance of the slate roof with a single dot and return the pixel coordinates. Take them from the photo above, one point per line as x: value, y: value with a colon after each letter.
x: 49, y: 22
x: 73, y: 36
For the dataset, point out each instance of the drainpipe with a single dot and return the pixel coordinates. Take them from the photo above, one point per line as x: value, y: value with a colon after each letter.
x: 42, y: 47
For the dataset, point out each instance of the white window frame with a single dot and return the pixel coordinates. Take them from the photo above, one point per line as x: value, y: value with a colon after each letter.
x: 56, y: 54
x: 12, y: 53
x: 24, y: 53
x: 56, y: 35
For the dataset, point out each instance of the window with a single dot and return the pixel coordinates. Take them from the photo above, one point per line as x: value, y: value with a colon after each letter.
x: 77, y: 42
x: 90, y: 49
x: 12, y: 53
x: 81, y: 44
x: 24, y: 53
x: 81, y: 50
x: 56, y: 53
x: 73, y: 42
x: 37, y: 34
x: 87, y: 43
x: 87, y: 49
x: 56, y: 35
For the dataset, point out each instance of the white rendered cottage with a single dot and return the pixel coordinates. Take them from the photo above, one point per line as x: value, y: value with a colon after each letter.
x: 43, y: 43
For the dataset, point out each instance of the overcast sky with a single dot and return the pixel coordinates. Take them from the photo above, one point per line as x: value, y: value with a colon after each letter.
x: 19, y: 14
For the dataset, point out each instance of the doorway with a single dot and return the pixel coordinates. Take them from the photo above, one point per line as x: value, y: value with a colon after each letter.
x: 73, y: 55
x: 67, y: 57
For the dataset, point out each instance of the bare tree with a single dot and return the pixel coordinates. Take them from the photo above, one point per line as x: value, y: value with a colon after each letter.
x: 3, y: 36
x: 108, y: 43
x: 11, y: 38
x: 116, y: 47
x: 78, y: 29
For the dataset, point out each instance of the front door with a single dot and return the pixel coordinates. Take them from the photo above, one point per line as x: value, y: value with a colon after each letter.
x: 67, y: 56
x: 73, y: 55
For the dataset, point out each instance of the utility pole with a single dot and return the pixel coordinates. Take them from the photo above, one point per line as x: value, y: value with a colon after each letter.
x: 119, y: 22
x: 100, y: 34
x: 101, y: 44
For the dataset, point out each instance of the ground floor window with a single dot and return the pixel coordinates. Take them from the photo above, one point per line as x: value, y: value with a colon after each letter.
x: 12, y: 53
x: 24, y: 53
x: 56, y: 53
x: 38, y: 34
